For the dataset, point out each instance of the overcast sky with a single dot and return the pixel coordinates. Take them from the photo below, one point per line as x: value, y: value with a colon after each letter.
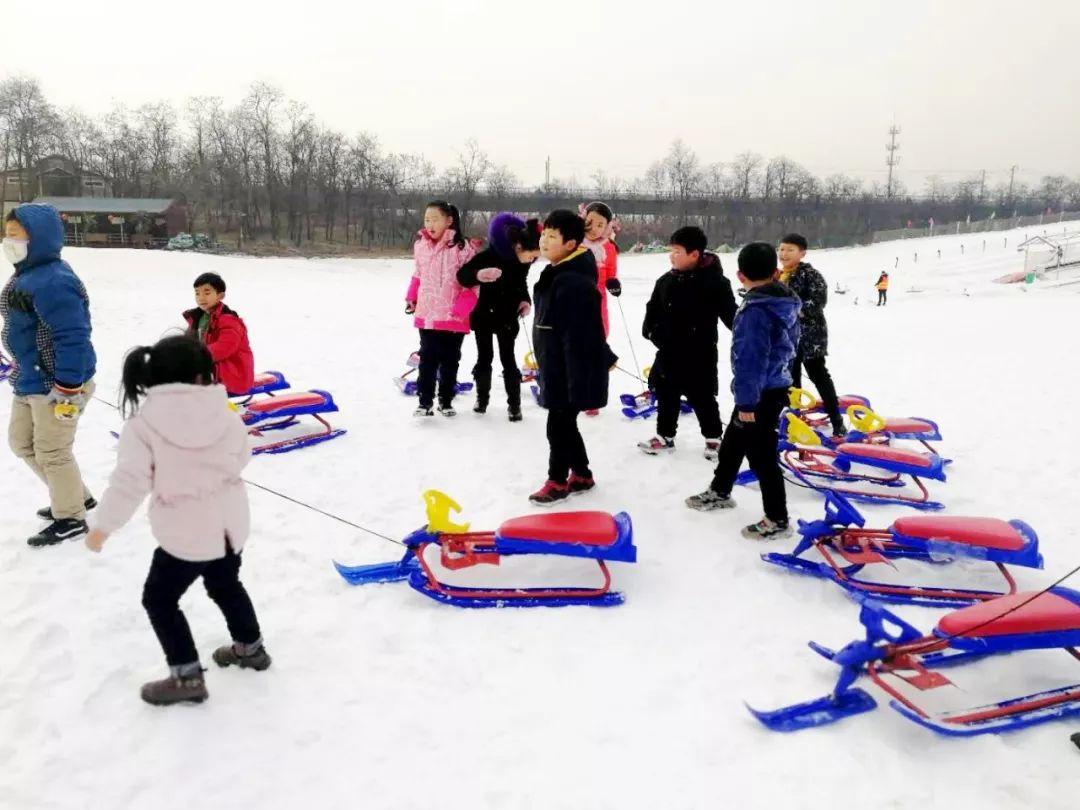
x: 974, y: 84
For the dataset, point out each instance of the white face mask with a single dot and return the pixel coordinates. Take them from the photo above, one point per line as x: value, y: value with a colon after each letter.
x: 14, y: 250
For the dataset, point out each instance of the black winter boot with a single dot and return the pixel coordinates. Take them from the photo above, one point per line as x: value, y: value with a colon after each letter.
x: 483, y: 389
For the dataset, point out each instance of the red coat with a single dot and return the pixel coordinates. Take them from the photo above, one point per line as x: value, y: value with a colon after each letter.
x: 607, y: 267
x: 227, y: 339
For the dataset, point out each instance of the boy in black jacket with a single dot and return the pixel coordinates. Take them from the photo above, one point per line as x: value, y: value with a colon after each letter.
x: 502, y: 272
x: 571, y: 352
x: 680, y: 319
x: 807, y: 283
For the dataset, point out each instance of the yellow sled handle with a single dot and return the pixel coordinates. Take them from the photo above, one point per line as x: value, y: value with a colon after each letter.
x: 798, y: 432
x: 530, y: 361
x: 439, y: 507
x: 865, y: 420
x: 799, y: 399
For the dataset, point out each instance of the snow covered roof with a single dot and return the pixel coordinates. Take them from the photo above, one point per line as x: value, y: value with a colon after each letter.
x: 108, y: 205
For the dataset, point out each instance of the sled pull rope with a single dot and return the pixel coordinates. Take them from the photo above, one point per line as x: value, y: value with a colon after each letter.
x: 630, y: 340
x: 289, y: 498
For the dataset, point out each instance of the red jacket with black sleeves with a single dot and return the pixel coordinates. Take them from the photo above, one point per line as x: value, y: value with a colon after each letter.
x: 227, y: 339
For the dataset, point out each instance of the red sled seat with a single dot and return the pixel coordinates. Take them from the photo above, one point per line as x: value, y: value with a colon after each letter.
x: 884, y: 452
x: 299, y: 399
x: 586, y: 528
x: 975, y: 531
x: 908, y: 426
x: 1021, y: 614
x: 597, y: 535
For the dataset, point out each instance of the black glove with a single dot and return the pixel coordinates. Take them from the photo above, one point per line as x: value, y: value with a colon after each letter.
x: 614, y: 286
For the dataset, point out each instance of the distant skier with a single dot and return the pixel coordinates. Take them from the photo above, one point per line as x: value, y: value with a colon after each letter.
x: 882, y: 287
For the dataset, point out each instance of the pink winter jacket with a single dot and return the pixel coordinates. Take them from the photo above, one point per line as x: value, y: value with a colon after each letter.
x: 441, y: 303
x: 185, y: 448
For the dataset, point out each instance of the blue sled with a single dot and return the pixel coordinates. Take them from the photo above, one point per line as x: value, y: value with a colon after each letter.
x: 590, y: 535
x: 898, y: 659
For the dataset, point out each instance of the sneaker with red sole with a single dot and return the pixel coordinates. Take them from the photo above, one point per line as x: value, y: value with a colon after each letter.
x: 579, y: 484
x: 592, y: 412
x: 551, y: 492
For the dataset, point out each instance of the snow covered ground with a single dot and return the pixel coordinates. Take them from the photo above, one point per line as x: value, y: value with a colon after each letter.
x: 380, y: 698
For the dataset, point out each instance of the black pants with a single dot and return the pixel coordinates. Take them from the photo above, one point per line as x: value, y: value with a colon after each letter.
x: 506, y: 337
x: 822, y: 380
x: 756, y: 442
x: 567, y: 447
x: 440, y: 353
x: 169, y: 579
x: 882, y: 295
x: 701, y: 399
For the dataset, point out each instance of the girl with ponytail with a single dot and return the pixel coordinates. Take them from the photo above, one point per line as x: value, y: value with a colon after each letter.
x: 440, y: 304
x: 502, y: 275
x: 184, y: 447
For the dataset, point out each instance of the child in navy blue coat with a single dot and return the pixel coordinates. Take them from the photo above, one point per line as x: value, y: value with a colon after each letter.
x: 764, y: 339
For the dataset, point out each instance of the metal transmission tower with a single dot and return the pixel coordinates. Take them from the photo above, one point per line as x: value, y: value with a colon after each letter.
x: 892, y: 159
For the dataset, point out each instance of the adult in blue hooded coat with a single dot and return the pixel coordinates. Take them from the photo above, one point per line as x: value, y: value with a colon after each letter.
x: 46, y: 314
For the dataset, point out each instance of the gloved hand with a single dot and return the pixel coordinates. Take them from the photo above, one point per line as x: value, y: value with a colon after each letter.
x: 524, y: 308
x: 614, y: 286
x: 489, y: 274
x: 410, y: 307
x: 68, y: 403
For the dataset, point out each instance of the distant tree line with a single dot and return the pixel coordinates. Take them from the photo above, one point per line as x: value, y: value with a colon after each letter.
x: 266, y: 169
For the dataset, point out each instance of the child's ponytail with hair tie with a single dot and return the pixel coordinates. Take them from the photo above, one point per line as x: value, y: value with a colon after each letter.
x: 135, y: 378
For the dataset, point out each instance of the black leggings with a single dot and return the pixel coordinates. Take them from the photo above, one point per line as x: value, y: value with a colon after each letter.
x: 567, y: 447
x: 882, y: 296
x: 823, y: 382
x: 440, y: 354
x: 506, y: 336
x: 169, y: 579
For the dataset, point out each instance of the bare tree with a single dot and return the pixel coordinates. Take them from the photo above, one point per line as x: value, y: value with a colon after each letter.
x: 465, y: 177
x: 262, y: 107
x: 746, y: 171
x: 500, y: 182
x: 29, y: 125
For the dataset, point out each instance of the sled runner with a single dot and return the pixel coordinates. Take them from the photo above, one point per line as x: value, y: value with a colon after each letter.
x: 280, y: 412
x: 644, y: 405
x: 597, y: 536
x: 6, y: 367
x: 409, y: 388
x: 838, y: 547
x: 903, y: 662
x: 808, y: 463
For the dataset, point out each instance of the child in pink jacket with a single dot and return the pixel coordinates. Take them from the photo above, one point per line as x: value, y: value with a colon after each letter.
x: 441, y: 305
x: 186, y: 449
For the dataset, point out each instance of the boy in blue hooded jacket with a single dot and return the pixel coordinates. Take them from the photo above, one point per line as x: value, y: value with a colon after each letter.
x: 46, y: 314
x: 764, y: 338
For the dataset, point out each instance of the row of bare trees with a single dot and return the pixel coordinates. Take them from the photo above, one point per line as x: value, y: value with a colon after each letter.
x: 266, y: 168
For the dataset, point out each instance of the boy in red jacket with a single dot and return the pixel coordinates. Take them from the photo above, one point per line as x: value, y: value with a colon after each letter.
x: 224, y: 334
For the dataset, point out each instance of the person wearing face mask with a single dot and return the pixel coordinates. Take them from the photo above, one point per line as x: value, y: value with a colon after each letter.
x: 46, y: 315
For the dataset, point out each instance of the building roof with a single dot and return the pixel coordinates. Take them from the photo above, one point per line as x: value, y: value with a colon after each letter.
x: 107, y: 205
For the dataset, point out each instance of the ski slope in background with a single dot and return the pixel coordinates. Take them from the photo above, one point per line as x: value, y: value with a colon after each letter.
x: 380, y: 698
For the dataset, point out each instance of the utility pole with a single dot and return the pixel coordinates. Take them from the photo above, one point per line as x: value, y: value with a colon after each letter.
x: 547, y: 172
x: 1012, y: 182
x: 982, y: 186
x: 891, y: 159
